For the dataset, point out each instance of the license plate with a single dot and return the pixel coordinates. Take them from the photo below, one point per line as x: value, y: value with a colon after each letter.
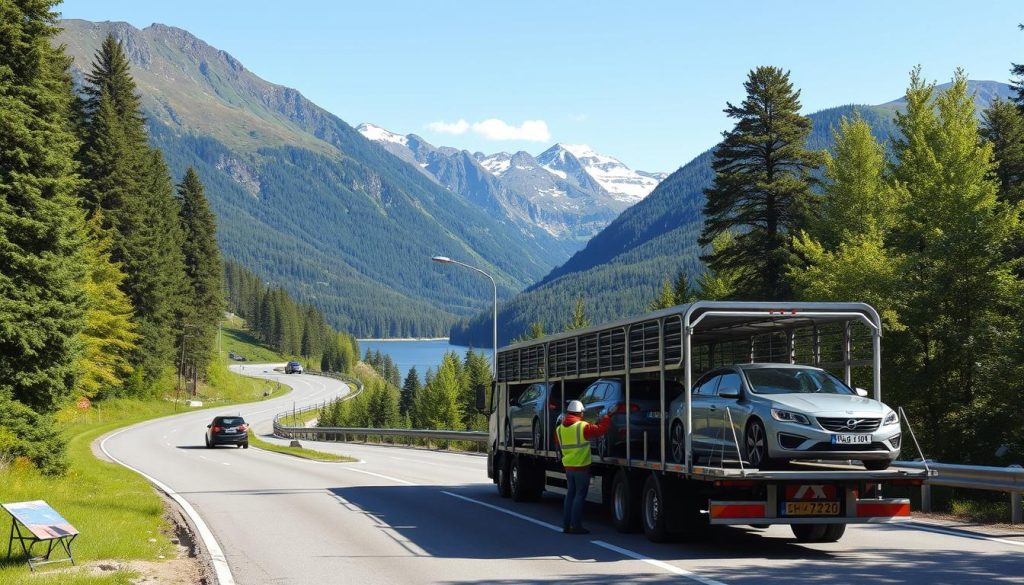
x: 230, y: 431
x: 652, y: 414
x: 851, y: 439
x: 812, y: 509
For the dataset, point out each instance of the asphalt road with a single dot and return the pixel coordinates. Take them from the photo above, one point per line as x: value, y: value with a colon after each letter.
x: 415, y: 516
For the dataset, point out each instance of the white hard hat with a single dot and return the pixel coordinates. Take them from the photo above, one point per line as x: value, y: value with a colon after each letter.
x: 575, y: 406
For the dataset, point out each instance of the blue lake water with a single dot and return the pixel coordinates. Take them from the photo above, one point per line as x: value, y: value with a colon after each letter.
x: 424, y: 354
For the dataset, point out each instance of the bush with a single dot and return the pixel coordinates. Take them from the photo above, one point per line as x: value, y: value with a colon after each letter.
x: 32, y: 436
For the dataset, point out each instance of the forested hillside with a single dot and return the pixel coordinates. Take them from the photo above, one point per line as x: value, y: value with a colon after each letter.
x: 306, y: 201
x: 622, y: 268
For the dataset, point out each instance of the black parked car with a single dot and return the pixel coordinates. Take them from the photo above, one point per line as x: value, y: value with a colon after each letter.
x: 525, y: 422
x: 227, y: 430
x: 608, y: 397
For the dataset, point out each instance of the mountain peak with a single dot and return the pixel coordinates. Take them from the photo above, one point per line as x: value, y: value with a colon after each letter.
x: 378, y: 134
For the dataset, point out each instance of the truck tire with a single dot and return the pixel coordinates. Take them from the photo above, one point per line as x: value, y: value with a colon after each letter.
x: 654, y: 513
x: 625, y: 503
x: 519, y: 480
x: 501, y: 476
x: 833, y: 532
x: 808, y: 532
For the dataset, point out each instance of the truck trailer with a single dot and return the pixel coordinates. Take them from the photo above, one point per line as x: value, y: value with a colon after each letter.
x: 642, y: 483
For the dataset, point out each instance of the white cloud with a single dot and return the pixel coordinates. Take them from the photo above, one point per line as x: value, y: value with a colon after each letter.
x: 496, y: 129
x: 459, y: 127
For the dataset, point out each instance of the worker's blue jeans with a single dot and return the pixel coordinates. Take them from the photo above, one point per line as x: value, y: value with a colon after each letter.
x: 577, y: 484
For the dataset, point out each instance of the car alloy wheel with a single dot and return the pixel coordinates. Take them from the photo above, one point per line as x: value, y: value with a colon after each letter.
x: 756, y: 444
x: 678, y: 442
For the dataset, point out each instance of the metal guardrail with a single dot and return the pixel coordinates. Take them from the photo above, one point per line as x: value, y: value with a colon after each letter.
x: 976, y: 477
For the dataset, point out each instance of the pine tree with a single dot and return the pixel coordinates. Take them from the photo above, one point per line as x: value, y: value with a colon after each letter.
x: 204, y: 302
x: 762, y: 185
x: 684, y: 293
x: 42, y: 269
x: 1017, y: 70
x: 478, y: 376
x: 1002, y: 125
x: 846, y: 258
x: 579, y: 318
x: 129, y: 182
x: 665, y: 299
x: 536, y: 330
x: 109, y: 336
x: 962, y: 298
x: 410, y: 388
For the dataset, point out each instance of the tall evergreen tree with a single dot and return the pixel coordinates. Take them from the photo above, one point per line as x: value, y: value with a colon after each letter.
x: 1017, y: 70
x: 579, y: 319
x: 410, y: 389
x: 962, y: 298
x: 762, y: 185
x: 666, y: 297
x: 684, y: 293
x: 109, y: 336
x: 1002, y: 125
x: 42, y: 232
x: 204, y: 301
x: 129, y: 182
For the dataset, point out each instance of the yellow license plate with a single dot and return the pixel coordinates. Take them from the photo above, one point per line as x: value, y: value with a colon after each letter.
x: 812, y: 508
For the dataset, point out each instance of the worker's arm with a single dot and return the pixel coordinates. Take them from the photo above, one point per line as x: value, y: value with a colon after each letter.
x: 592, y: 431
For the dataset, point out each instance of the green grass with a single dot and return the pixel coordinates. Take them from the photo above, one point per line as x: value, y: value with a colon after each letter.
x: 981, y: 511
x: 234, y: 337
x: 297, y: 451
x: 116, y: 511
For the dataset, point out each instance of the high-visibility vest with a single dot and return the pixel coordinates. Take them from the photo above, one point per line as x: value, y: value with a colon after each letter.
x: 575, y: 447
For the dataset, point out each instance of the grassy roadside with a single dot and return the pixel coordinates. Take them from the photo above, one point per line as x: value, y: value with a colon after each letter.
x: 303, y: 452
x: 117, y: 512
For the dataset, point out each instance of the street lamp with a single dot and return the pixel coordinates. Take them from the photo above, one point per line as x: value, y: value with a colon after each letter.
x: 494, y: 338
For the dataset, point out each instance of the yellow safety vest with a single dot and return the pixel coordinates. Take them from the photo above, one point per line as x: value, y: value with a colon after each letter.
x: 575, y: 448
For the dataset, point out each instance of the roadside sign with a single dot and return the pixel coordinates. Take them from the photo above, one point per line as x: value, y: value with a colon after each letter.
x: 44, y: 524
x: 83, y: 403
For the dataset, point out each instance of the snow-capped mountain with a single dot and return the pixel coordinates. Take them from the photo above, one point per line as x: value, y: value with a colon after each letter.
x: 569, y: 191
x: 622, y: 182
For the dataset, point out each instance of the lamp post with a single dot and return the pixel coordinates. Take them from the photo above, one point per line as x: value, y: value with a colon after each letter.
x: 494, y: 338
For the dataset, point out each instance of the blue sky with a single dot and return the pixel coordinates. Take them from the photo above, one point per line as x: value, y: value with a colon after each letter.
x: 643, y: 81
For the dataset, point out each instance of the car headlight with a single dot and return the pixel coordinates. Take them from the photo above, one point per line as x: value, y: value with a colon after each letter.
x: 788, y: 416
x: 891, y: 418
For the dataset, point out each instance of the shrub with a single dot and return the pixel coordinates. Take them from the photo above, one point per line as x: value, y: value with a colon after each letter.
x: 27, y: 434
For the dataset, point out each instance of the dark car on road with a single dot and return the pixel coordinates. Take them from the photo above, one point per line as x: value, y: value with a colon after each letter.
x: 227, y: 430
x: 526, y: 414
x: 607, y: 396
x: 293, y: 368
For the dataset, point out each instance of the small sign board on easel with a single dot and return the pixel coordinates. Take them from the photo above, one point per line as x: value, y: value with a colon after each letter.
x: 36, y: 522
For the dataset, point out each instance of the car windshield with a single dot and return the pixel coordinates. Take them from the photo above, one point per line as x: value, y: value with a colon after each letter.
x: 231, y: 421
x: 794, y: 381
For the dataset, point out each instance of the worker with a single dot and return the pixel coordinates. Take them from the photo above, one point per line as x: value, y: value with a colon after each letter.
x: 574, y: 435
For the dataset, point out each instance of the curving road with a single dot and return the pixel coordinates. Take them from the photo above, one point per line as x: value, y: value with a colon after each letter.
x: 414, y: 516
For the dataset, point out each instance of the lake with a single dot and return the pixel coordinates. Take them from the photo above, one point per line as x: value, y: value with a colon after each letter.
x: 406, y: 353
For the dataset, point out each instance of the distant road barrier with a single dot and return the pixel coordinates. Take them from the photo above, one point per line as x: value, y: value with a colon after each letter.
x: 976, y: 477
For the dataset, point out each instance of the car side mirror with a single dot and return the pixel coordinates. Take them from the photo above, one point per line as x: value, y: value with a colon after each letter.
x: 861, y: 392
x: 208, y: 426
x: 729, y: 393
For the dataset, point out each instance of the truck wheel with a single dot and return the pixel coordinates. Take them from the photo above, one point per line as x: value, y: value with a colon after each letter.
x: 501, y: 470
x: 518, y: 480
x: 833, y: 532
x: 625, y: 503
x: 654, y: 513
x: 808, y: 532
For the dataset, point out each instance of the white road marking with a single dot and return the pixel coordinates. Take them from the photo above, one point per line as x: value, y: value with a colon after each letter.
x: 540, y: 523
x: 660, y: 564
x: 625, y: 552
x: 387, y: 477
x: 929, y: 527
x: 220, y: 562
